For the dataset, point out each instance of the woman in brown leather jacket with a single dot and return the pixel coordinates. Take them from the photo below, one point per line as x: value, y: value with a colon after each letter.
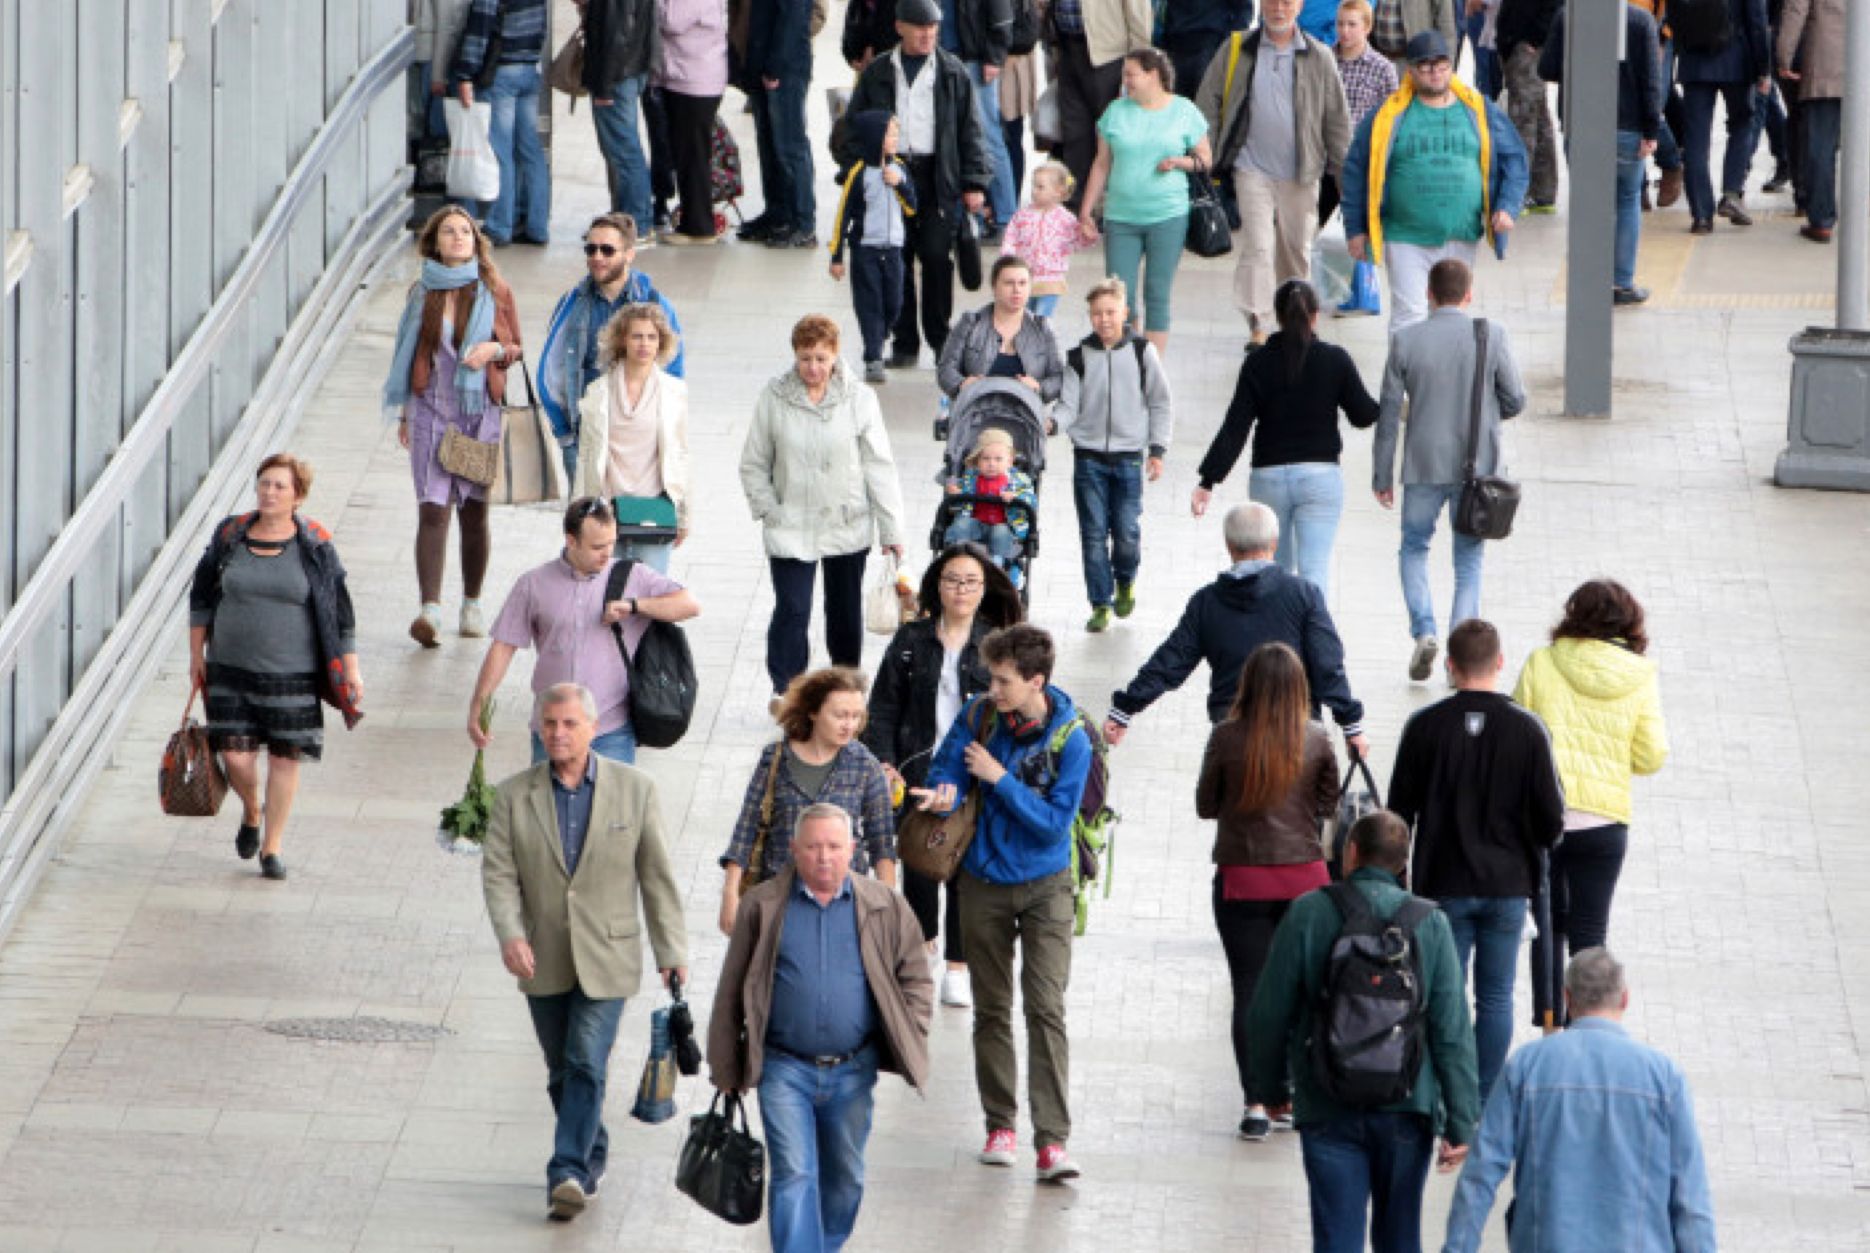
x: 1270, y: 777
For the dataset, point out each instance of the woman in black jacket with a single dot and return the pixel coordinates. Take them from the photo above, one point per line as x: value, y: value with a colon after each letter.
x: 931, y: 669
x: 1293, y: 388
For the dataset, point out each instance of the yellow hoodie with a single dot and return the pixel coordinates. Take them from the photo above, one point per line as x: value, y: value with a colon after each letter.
x: 1603, y: 707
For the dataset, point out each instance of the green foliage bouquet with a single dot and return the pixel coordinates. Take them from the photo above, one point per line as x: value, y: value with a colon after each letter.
x: 464, y: 823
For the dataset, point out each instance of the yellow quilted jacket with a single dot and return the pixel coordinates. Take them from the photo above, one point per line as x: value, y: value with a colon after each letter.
x: 1604, y: 710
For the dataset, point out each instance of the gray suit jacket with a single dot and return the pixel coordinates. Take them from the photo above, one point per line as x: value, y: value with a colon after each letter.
x: 1432, y: 364
x: 585, y: 928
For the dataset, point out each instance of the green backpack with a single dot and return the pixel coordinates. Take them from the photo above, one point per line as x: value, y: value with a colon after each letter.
x: 1094, y: 827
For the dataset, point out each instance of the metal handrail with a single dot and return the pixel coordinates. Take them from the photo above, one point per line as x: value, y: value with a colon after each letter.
x: 45, y: 590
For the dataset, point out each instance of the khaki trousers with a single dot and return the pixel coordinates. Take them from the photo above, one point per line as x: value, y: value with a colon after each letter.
x: 1038, y: 917
x: 1277, y: 222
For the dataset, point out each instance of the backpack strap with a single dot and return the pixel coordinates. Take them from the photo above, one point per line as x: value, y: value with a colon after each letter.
x: 1411, y: 914
x: 1351, y: 905
x: 618, y: 579
x: 1141, y: 347
x: 1074, y: 357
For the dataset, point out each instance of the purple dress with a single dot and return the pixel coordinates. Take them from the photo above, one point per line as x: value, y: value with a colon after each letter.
x: 430, y: 414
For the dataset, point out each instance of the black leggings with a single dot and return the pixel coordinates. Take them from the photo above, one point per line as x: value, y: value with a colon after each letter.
x: 1246, y: 929
x: 1585, y: 866
x: 924, y: 897
x: 691, y: 141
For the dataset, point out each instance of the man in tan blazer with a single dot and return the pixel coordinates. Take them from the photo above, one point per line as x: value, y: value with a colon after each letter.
x: 571, y: 846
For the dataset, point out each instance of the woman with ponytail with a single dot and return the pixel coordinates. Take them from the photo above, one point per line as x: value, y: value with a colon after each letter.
x: 1270, y: 777
x: 1288, y: 398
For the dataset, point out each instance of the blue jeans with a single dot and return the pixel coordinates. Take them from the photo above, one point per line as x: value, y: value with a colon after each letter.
x: 1109, y: 496
x: 1374, y: 1164
x: 1421, y: 505
x: 1002, y: 544
x: 1002, y: 195
x: 524, y: 205
x: 1488, y: 929
x: 1156, y: 251
x: 620, y: 138
x: 786, y: 175
x: 576, y: 1033
x: 1698, y: 143
x: 1631, y: 173
x: 1489, y: 79
x: 618, y: 745
x: 816, y: 1123
x: 1309, y: 498
x: 1822, y: 120
x: 1043, y: 306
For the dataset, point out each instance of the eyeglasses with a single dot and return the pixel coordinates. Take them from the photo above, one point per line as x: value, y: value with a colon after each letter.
x: 962, y: 585
x: 601, y: 250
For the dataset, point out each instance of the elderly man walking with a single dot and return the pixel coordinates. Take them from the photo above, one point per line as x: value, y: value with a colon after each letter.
x: 1274, y: 98
x: 575, y: 870
x: 826, y: 983
x: 1599, y: 1131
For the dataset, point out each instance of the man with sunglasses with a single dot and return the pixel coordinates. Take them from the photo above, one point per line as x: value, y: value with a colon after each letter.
x: 559, y: 609
x: 1434, y: 169
x: 571, y: 360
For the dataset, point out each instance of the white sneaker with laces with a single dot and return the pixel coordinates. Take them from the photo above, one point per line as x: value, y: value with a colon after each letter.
x: 957, y: 989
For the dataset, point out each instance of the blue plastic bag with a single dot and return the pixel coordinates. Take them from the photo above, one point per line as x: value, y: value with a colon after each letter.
x: 1366, y: 295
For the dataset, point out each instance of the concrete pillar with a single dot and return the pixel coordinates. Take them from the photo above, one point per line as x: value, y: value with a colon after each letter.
x: 1593, y: 38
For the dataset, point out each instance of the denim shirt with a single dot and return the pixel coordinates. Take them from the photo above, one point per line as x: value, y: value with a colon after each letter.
x: 1602, y: 1130
x: 822, y: 1004
x: 573, y: 808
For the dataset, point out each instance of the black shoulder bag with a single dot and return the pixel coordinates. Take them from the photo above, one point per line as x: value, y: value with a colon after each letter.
x: 1488, y: 501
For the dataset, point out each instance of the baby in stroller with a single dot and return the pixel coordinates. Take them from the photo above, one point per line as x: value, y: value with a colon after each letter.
x: 1000, y: 504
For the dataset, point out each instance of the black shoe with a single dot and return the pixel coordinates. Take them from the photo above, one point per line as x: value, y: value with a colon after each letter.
x: 1255, y: 1127
x: 271, y: 867
x: 1702, y: 226
x: 756, y: 231
x: 247, y: 841
x: 1731, y: 209
x: 1781, y: 179
x: 905, y: 359
x: 1628, y: 295
x: 804, y: 239
x: 783, y: 237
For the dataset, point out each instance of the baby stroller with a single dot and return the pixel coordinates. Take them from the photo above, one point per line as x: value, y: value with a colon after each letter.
x: 1011, y: 406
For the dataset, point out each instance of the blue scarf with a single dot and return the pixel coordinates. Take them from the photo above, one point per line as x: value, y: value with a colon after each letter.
x: 470, y: 385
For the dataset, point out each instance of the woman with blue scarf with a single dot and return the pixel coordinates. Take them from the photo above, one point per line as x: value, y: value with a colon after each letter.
x: 458, y: 335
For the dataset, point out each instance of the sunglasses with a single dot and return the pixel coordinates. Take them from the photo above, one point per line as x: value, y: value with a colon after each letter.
x: 586, y: 507
x: 601, y: 250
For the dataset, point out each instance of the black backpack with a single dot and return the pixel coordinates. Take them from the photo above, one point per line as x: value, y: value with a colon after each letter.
x: 662, y: 673
x: 1368, y: 1042
x: 1023, y: 36
x: 1703, y: 27
x: 1074, y: 357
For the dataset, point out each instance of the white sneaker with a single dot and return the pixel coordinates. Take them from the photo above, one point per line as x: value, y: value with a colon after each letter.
x: 957, y: 990
x: 473, y: 625
x: 1422, y: 660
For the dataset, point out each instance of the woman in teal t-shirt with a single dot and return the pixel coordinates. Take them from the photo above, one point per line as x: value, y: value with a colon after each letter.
x: 1146, y: 143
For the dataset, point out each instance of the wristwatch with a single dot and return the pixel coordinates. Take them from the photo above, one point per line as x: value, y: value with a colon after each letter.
x: 633, y: 606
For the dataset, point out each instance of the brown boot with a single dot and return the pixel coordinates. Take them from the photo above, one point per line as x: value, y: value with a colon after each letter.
x: 1647, y: 203
x: 1671, y: 189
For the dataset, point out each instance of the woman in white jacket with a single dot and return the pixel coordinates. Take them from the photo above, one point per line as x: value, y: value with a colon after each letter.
x: 633, y: 433
x: 819, y: 477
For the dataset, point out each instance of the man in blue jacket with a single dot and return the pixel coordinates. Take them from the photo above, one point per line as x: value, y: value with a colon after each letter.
x: 1730, y: 56
x: 1023, y: 747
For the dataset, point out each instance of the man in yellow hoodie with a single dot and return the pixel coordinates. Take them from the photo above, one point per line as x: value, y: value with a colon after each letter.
x: 1435, y: 168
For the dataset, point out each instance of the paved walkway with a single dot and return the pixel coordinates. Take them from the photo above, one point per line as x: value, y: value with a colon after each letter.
x: 145, y: 1104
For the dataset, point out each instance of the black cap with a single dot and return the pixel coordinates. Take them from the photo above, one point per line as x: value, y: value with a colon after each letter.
x: 1427, y: 46
x: 918, y: 12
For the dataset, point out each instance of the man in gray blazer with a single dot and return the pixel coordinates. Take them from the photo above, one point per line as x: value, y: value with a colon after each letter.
x: 1431, y: 365
x: 571, y: 846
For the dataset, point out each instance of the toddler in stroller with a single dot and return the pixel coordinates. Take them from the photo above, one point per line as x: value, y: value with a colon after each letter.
x: 992, y: 502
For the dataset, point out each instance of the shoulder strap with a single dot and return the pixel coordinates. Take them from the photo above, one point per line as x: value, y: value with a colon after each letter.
x: 1474, y: 402
x: 1074, y: 357
x: 1350, y: 902
x: 1411, y: 914
x: 1233, y: 62
x: 1061, y: 734
x: 1140, y: 347
x: 619, y: 578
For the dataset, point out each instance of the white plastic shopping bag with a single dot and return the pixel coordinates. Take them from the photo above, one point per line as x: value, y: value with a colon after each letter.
x: 883, y: 610
x: 473, y: 170
x: 1332, y: 266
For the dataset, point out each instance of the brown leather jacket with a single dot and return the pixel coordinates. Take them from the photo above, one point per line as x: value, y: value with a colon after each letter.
x: 894, y: 961
x: 1286, y: 834
x: 505, y: 332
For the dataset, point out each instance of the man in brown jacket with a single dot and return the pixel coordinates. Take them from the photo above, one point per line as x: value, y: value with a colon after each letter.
x: 1811, y: 58
x: 826, y: 983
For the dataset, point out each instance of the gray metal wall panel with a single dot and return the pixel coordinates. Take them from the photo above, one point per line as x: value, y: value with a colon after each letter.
x: 236, y: 215
x: 271, y: 103
x: 344, y: 183
x: 305, y: 256
x: 146, y: 261
x: 191, y: 227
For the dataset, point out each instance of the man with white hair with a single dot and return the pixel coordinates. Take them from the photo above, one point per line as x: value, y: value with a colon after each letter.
x: 575, y: 870
x: 1255, y: 601
x: 1600, y: 1131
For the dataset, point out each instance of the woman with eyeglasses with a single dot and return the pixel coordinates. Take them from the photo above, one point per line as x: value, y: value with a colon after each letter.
x: 820, y: 479
x: 459, y: 333
x: 931, y: 669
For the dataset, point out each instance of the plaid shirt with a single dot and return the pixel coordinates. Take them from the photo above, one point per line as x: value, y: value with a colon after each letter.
x: 1368, y: 82
x: 1388, y: 34
x: 856, y: 785
x: 1068, y: 16
x: 522, y: 34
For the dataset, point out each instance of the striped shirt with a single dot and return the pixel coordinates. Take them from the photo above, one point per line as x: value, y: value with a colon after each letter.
x: 1369, y: 80
x: 522, y: 35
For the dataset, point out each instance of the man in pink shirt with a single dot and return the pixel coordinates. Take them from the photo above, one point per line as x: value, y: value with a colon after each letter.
x: 559, y: 609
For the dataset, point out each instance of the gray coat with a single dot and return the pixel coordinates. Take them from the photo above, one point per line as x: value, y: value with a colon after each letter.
x: 1112, y: 407
x: 1321, y: 116
x: 1432, y: 365
x: 974, y: 343
x: 1811, y: 41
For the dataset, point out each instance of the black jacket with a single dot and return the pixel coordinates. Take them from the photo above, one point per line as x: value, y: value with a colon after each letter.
x: 622, y: 39
x: 1224, y: 622
x: 982, y: 26
x: 1642, y: 92
x: 1475, y: 778
x: 1523, y: 22
x: 333, y: 618
x: 1297, y: 421
x: 869, y: 26
x: 961, y: 162
x: 1193, y: 22
x: 901, y: 729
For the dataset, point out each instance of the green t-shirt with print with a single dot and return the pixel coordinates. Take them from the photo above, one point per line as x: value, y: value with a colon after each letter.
x: 1139, y: 194
x: 1433, y: 193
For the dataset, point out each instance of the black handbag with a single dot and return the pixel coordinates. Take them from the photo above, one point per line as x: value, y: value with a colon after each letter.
x: 1208, y: 235
x: 967, y: 259
x: 1488, y: 501
x: 723, y: 1167
x: 1352, y: 805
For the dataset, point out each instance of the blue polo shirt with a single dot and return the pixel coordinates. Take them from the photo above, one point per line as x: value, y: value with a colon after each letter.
x: 821, y: 998
x: 573, y: 806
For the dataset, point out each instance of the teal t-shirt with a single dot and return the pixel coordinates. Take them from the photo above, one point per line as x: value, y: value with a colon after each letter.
x: 1433, y: 193
x: 1139, y: 194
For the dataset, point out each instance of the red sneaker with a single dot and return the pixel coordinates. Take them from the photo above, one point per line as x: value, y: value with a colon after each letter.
x: 1001, y: 1147
x: 1054, y: 1165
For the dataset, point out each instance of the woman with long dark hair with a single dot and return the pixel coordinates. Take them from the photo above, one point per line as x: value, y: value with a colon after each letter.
x: 930, y: 671
x: 1270, y: 777
x: 1595, y: 688
x: 1288, y: 398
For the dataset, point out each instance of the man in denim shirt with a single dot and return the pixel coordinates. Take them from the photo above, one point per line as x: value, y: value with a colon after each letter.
x: 1602, y: 1130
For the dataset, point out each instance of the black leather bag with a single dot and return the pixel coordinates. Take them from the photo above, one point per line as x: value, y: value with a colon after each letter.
x: 663, y: 683
x: 1208, y: 235
x: 722, y: 1166
x: 1488, y: 502
x: 967, y: 259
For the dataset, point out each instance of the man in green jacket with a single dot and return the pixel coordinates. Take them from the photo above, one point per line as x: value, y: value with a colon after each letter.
x: 1360, y: 1160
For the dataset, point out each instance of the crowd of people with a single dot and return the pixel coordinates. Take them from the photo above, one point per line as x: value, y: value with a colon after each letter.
x: 1500, y: 808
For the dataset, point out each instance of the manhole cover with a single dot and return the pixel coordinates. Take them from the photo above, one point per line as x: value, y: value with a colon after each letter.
x: 358, y: 1030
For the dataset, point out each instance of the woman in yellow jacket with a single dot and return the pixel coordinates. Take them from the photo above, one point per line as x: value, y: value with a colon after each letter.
x: 1597, y: 693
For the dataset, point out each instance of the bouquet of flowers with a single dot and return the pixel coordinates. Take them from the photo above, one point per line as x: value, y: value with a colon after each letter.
x: 464, y: 823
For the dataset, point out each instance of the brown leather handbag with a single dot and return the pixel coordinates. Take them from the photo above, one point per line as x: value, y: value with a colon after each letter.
x: 933, y: 844
x: 190, y: 783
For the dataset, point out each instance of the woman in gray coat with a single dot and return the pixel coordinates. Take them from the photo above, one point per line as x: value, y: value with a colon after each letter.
x: 1003, y: 340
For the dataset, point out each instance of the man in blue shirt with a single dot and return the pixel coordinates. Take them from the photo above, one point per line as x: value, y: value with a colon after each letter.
x: 1602, y: 1130
x: 826, y: 982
